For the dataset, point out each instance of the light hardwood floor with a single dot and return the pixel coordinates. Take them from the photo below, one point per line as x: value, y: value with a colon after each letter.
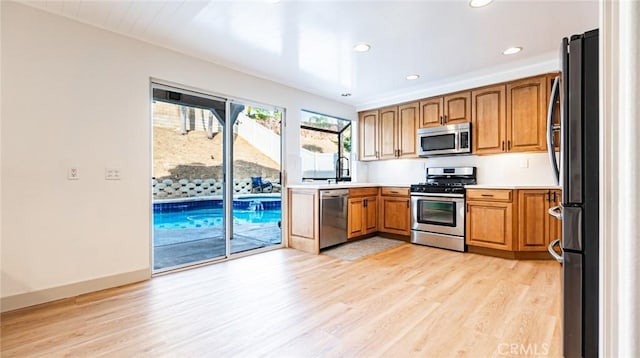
x: 406, y: 301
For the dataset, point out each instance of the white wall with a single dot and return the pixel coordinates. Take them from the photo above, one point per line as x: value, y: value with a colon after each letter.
x: 501, y: 169
x: 75, y: 95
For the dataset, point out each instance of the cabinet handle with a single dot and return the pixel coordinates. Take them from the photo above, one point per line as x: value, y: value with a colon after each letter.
x: 549, y: 196
x: 509, y: 145
x: 445, y: 119
x: 554, y: 197
x: 393, y: 192
x: 399, y: 152
x: 487, y: 195
x: 502, y: 146
x: 407, y: 204
x: 364, y: 203
x: 467, y: 207
x: 441, y: 121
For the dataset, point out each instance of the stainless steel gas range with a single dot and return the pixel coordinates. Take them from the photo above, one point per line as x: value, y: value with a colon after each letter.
x: 438, y: 207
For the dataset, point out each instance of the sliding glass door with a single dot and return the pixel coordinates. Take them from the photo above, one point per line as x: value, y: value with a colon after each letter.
x: 256, y: 178
x: 216, y: 177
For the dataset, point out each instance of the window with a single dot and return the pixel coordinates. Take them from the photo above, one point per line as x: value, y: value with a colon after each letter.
x: 325, y: 147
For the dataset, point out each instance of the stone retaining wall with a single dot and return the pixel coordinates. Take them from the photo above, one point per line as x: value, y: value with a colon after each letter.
x: 183, y: 188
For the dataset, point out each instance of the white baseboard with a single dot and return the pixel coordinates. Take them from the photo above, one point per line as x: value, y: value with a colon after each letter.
x: 22, y: 300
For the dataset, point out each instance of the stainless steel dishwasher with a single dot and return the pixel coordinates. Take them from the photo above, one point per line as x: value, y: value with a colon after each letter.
x: 333, y: 217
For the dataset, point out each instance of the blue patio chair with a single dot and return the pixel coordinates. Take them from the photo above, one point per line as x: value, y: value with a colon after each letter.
x: 257, y: 185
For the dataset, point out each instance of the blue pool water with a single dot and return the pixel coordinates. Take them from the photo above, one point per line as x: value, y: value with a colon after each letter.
x: 211, y: 217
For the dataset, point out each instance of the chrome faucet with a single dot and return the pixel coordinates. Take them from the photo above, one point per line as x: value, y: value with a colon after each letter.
x: 340, y: 169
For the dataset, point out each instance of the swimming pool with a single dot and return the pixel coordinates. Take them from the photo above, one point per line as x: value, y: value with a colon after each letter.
x: 197, y: 218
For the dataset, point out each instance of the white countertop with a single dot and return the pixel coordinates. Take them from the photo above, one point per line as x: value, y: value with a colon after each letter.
x: 511, y: 186
x: 344, y: 185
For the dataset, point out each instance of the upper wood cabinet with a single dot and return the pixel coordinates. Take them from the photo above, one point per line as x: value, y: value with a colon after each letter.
x: 389, y: 132
x: 408, y: 115
x: 450, y: 109
x: 368, y: 136
x: 510, y: 117
x: 527, y: 114
x: 388, y: 129
x: 489, y: 126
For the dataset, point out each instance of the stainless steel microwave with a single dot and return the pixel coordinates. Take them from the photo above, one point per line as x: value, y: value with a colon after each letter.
x: 445, y: 140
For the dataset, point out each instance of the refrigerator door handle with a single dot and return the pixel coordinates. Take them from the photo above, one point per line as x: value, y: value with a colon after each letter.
x: 556, y: 212
x: 553, y: 252
x: 551, y: 129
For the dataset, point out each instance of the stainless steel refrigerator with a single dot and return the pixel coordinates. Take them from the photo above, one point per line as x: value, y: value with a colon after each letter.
x: 578, y: 174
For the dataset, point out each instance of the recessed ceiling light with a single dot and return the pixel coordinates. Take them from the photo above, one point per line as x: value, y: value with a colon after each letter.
x: 413, y: 77
x: 479, y: 3
x: 361, y: 47
x: 346, y: 94
x: 511, y: 50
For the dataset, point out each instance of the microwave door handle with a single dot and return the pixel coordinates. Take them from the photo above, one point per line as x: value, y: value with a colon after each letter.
x: 551, y: 113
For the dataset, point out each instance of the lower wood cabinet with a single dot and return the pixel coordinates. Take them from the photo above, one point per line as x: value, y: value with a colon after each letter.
x: 362, y: 212
x: 395, y: 212
x: 536, y: 228
x: 490, y: 224
x: 304, y: 220
x: 512, y: 220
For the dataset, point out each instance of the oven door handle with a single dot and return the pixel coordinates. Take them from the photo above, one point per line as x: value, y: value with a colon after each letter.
x: 439, y: 195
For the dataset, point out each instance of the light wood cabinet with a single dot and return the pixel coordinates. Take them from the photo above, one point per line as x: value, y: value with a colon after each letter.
x: 362, y: 212
x: 395, y: 212
x: 527, y: 114
x: 450, y: 109
x: 490, y: 222
x: 536, y: 228
x: 408, y: 115
x: 510, y: 117
x: 512, y: 220
x: 389, y: 132
x: 368, y: 135
x: 304, y: 220
x: 388, y: 129
x: 488, y: 125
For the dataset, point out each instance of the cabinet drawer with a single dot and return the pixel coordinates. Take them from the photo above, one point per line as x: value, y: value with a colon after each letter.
x: 489, y: 194
x: 394, y: 191
x: 363, y: 192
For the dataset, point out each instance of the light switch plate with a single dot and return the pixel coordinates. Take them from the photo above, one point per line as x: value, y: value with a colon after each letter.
x: 73, y: 173
x: 524, y: 163
x: 111, y: 174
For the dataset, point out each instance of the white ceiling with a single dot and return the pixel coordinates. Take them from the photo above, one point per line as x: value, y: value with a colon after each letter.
x: 309, y: 44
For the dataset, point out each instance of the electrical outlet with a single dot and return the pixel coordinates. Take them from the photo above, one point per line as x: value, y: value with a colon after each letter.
x: 73, y: 173
x: 112, y: 174
x: 524, y: 163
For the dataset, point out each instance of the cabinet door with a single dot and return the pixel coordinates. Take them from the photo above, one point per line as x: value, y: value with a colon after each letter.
x: 371, y: 215
x: 457, y: 108
x: 395, y: 215
x: 387, y: 128
x: 490, y: 224
x: 488, y: 120
x: 431, y: 112
x: 407, y: 127
x: 368, y: 141
x: 533, y: 220
x: 527, y: 114
x: 355, y: 214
